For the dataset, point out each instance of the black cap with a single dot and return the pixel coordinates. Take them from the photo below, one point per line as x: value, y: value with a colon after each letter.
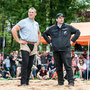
x: 59, y: 15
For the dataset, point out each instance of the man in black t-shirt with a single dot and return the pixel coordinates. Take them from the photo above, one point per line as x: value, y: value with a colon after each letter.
x: 43, y: 74
x: 44, y: 59
x: 52, y: 68
x: 12, y: 63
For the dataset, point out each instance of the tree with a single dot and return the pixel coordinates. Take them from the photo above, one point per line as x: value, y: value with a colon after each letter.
x: 12, y: 11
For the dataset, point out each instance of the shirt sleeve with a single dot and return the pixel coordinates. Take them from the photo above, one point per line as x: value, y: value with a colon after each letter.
x: 78, y: 65
x: 21, y: 23
x: 76, y: 33
x: 46, y: 33
x: 84, y: 66
x: 38, y: 26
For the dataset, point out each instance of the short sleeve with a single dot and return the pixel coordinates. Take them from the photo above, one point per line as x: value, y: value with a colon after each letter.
x: 21, y: 23
x: 37, y: 26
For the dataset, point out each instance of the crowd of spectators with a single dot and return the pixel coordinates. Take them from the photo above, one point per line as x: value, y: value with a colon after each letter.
x: 81, y: 66
x: 43, y: 66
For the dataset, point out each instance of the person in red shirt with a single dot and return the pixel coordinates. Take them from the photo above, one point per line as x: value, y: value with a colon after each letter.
x: 43, y: 74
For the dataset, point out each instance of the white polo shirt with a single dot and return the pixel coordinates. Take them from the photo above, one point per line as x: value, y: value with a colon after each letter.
x: 29, y: 30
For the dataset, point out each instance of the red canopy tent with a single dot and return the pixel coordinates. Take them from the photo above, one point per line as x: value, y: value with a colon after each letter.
x: 84, y: 28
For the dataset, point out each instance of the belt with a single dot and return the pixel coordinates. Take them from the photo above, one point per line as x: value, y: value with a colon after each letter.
x: 31, y: 42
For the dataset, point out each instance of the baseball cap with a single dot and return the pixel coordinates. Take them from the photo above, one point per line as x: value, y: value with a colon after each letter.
x: 59, y: 15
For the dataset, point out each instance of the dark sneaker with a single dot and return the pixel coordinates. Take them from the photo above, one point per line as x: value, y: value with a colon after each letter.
x: 61, y: 84
x: 70, y: 84
x: 23, y: 84
x: 66, y: 77
x: 27, y: 83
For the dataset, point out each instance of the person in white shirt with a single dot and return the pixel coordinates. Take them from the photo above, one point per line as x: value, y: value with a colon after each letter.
x: 7, y: 63
x: 82, y: 66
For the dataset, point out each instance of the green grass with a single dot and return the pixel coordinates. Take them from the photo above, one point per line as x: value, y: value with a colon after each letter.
x: 30, y: 79
x: 3, y: 79
x: 86, y: 80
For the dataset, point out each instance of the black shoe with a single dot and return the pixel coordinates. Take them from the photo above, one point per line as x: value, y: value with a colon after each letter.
x: 27, y: 83
x: 61, y: 84
x: 23, y: 84
x: 66, y: 77
x: 70, y: 84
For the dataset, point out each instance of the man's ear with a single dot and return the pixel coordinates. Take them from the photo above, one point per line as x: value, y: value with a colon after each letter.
x: 35, y: 14
x: 56, y: 19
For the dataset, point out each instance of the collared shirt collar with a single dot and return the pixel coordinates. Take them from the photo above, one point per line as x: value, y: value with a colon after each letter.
x: 31, y: 20
x: 59, y: 25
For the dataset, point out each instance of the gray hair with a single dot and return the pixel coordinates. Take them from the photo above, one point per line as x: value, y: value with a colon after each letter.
x: 32, y: 9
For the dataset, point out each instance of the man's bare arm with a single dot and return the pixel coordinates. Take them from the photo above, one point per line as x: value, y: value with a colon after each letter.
x: 39, y: 37
x: 14, y: 31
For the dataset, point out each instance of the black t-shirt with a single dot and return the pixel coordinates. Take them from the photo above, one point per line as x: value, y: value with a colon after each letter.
x: 11, y: 60
x: 49, y: 57
x: 43, y: 73
x: 19, y: 57
x: 51, y: 66
x: 4, y: 73
x: 43, y: 59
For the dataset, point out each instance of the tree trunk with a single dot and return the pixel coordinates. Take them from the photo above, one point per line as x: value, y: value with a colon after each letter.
x: 11, y: 34
x: 50, y: 12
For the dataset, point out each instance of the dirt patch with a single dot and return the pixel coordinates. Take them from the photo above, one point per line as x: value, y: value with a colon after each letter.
x: 43, y: 85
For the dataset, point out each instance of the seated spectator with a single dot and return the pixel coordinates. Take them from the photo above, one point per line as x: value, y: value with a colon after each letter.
x: 88, y: 66
x: 1, y: 57
x: 74, y: 64
x: 43, y: 74
x: 77, y: 74
x: 0, y: 76
x: 83, y: 58
x: 39, y: 62
x: 54, y: 76
x: 82, y: 66
x: 31, y: 75
x: 7, y: 63
x: 51, y: 67
x: 0, y: 73
x: 85, y: 53
x: 5, y: 74
x: 76, y: 58
x: 34, y: 68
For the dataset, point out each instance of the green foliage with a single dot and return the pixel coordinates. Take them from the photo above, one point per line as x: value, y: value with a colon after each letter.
x: 12, y: 11
x: 9, y: 48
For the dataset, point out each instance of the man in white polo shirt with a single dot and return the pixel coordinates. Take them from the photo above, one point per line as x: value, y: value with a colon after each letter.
x: 29, y: 39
